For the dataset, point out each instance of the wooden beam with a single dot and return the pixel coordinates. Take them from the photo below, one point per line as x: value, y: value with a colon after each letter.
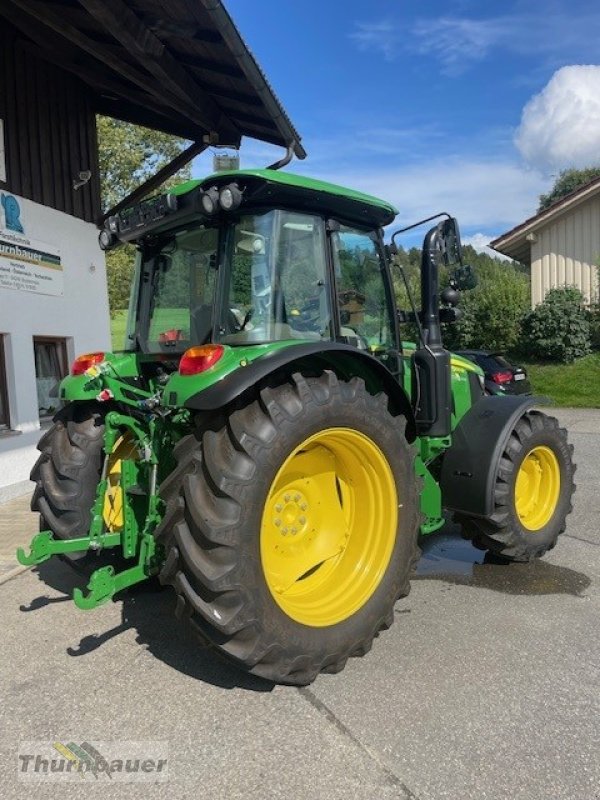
x: 149, y: 118
x: 48, y: 45
x: 156, y: 180
x: 122, y: 23
x: 44, y: 13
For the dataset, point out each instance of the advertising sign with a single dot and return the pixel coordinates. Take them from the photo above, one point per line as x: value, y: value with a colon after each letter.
x: 26, y: 264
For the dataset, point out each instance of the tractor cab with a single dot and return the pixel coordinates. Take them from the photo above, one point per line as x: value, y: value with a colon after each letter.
x: 256, y: 257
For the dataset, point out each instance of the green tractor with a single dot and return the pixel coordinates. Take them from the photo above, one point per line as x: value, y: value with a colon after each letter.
x: 266, y: 444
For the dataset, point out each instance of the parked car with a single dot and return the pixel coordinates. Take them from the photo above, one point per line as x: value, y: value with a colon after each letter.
x: 501, y: 377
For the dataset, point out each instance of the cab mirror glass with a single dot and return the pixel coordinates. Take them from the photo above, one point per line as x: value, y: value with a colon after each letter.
x: 464, y: 277
x: 450, y: 245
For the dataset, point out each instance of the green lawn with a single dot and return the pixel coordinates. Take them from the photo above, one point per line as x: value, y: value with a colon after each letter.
x: 575, y: 384
x: 118, y: 323
x: 164, y: 318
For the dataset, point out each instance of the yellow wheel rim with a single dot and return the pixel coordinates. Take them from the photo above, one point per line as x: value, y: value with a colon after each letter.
x: 537, y: 488
x: 113, y: 497
x: 328, y: 527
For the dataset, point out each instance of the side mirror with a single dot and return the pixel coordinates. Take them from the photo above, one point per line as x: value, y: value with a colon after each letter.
x: 464, y: 277
x: 449, y: 242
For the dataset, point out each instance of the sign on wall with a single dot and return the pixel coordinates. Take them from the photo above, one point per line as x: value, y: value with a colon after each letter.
x: 26, y: 264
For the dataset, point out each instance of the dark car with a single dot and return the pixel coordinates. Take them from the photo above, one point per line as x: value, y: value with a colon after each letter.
x: 501, y: 377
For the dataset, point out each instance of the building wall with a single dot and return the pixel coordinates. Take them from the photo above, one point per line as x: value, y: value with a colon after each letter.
x: 566, y: 253
x: 79, y: 314
x: 49, y: 130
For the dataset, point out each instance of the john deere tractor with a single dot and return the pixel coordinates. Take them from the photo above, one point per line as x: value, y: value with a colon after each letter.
x: 266, y: 444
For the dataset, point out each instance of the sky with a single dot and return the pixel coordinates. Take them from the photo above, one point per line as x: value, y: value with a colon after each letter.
x: 467, y: 107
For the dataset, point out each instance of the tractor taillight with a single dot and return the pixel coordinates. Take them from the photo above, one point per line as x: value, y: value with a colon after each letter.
x: 199, y: 359
x: 84, y: 362
x: 502, y: 377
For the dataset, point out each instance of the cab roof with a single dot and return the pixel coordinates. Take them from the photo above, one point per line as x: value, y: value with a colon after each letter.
x: 267, y: 187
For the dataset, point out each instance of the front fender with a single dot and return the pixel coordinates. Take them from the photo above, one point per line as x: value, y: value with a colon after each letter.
x: 346, y: 361
x: 470, y: 465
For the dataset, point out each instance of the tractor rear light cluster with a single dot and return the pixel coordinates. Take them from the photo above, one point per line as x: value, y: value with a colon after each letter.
x: 502, y: 377
x: 84, y: 362
x: 228, y: 198
x: 199, y: 359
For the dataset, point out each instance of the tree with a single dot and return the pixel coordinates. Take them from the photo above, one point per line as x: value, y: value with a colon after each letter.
x: 128, y: 155
x: 490, y: 314
x: 568, y: 181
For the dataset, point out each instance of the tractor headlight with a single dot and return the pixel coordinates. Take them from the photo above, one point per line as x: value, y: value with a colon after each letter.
x: 230, y: 197
x: 106, y: 239
x: 210, y: 200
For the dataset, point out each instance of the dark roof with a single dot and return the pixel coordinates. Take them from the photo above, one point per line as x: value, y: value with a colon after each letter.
x: 179, y: 66
x: 515, y: 242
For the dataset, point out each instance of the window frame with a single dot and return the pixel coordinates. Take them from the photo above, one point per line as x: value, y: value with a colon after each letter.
x: 333, y: 227
x: 61, y: 344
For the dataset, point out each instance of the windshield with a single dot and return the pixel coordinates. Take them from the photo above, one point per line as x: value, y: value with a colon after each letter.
x: 277, y: 287
x: 182, y: 276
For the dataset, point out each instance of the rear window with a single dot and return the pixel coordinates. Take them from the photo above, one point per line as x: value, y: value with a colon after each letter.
x: 493, y: 363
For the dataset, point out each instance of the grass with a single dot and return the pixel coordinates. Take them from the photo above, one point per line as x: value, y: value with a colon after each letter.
x: 118, y: 323
x: 164, y: 318
x: 576, y: 385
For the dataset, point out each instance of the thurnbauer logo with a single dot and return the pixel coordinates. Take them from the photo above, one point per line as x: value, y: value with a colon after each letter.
x: 85, y: 760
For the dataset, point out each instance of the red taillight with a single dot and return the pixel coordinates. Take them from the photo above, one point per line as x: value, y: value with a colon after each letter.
x: 502, y: 377
x: 199, y: 359
x: 84, y: 362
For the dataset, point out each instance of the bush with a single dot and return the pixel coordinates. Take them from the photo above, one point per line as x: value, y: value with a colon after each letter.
x: 557, y: 329
x: 492, y: 312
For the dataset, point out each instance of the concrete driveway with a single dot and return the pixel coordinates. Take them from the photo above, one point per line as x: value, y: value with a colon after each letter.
x: 486, y: 687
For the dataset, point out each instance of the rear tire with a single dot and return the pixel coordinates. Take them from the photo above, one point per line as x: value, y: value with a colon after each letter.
x: 217, y: 500
x: 67, y: 472
x: 515, y: 531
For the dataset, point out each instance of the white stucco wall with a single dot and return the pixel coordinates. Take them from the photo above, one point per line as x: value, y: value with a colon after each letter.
x: 80, y: 316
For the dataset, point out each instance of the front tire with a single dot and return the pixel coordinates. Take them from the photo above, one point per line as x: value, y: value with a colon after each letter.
x: 532, y: 492
x: 291, y: 526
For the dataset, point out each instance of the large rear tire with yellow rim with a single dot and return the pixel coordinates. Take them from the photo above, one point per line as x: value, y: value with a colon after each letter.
x: 533, y: 490
x: 291, y: 526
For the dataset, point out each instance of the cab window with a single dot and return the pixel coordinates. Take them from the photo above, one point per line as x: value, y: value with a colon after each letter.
x: 363, y: 305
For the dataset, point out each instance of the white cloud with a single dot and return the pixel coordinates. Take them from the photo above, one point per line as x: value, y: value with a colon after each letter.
x: 382, y: 36
x: 459, y: 42
x: 480, y: 193
x: 480, y: 242
x: 560, y: 126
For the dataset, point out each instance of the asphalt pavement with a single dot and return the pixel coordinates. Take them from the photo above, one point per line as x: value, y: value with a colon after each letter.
x: 486, y: 687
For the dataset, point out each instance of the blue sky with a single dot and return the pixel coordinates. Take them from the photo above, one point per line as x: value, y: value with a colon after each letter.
x: 459, y: 106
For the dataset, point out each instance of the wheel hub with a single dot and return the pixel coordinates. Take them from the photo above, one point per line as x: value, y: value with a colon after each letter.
x: 537, y: 488
x: 329, y: 526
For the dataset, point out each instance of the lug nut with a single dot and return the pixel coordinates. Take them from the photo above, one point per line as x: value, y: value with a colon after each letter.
x: 277, y: 522
x: 302, y: 520
x: 286, y: 498
x: 279, y: 507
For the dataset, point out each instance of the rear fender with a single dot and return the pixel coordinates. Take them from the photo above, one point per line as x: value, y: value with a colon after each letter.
x: 470, y: 465
x: 344, y: 360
